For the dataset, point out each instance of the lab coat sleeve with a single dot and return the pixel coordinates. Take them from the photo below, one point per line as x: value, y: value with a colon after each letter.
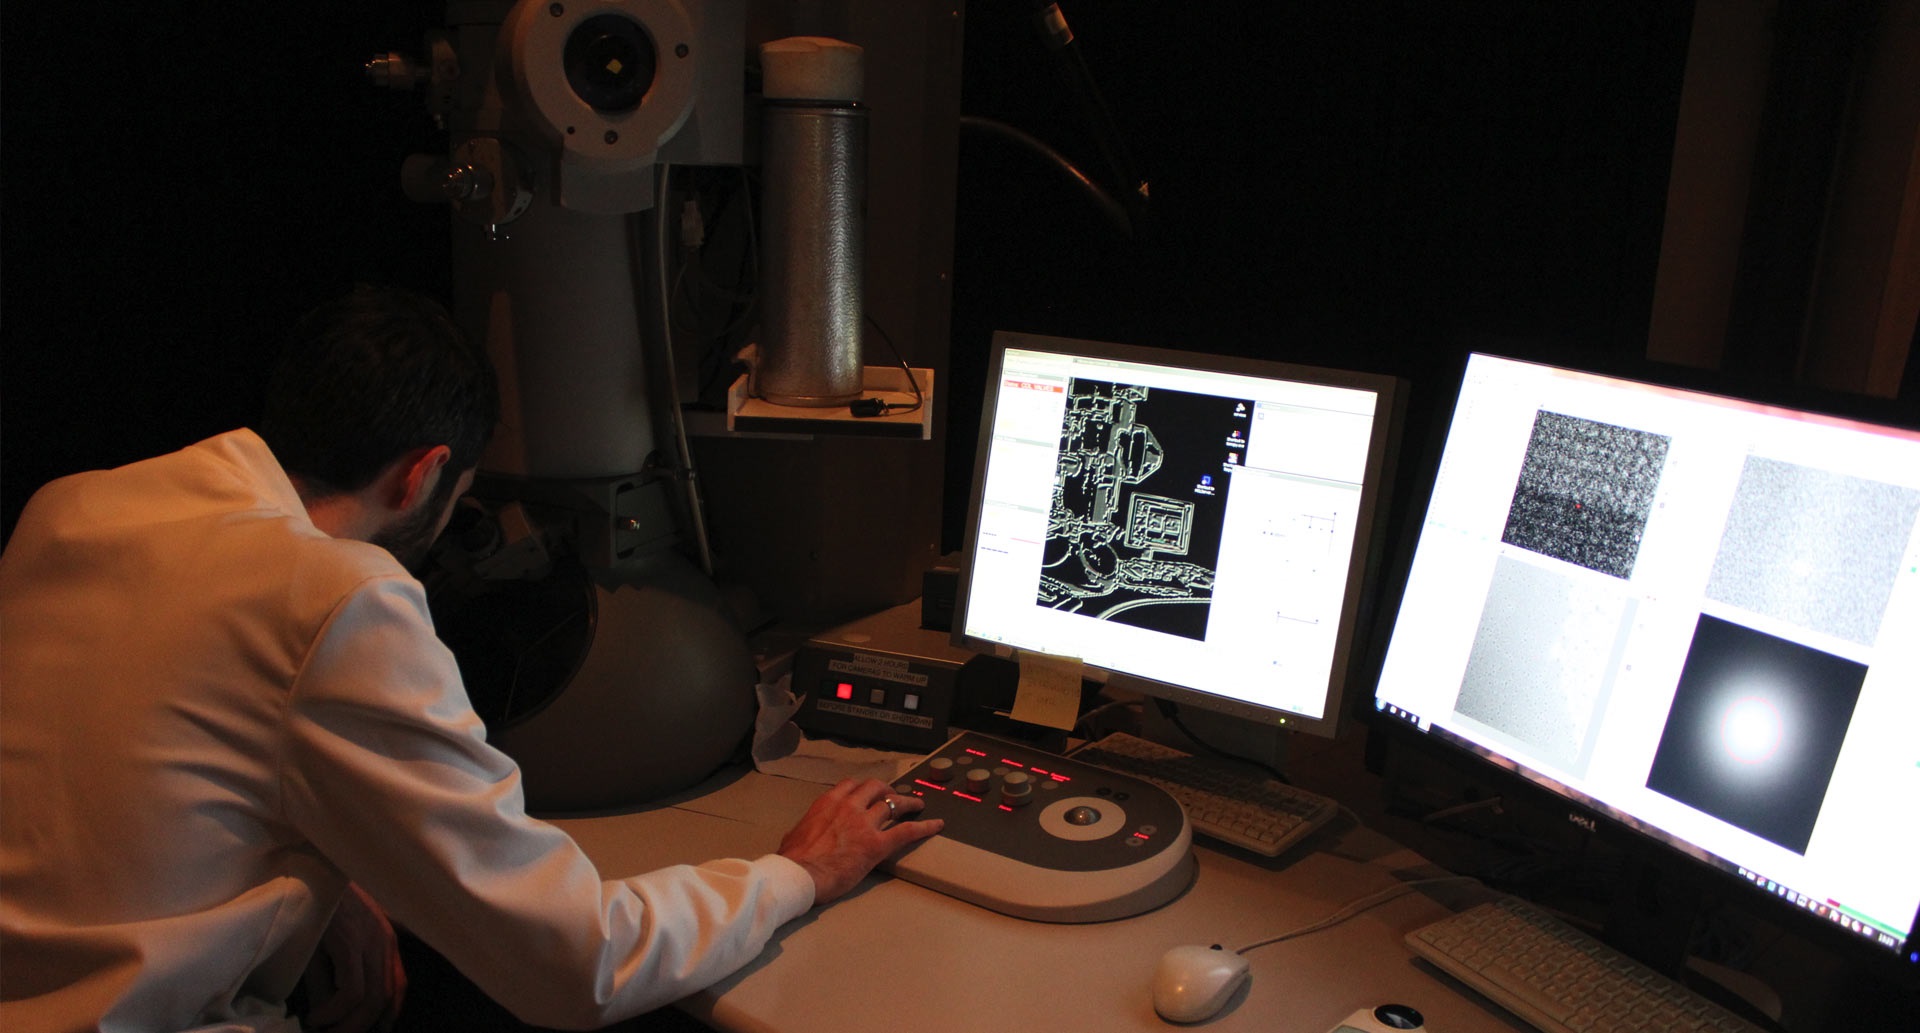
x: 386, y: 771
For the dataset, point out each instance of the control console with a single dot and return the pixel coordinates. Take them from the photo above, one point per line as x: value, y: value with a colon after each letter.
x: 1043, y: 837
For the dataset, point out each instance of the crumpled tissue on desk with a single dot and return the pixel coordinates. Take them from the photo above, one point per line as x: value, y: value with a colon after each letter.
x: 781, y: 748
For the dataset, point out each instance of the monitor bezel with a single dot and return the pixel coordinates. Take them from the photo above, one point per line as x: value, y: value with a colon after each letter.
x: 1419, y: 476
x: 1364, y: 564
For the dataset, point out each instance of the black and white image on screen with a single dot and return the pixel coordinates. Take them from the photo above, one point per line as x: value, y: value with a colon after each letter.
x: 1139, y: 497
x: 1543, y: 658
x: 1814, y: 548
x: 1755, y: 730
x: 1585, y: 492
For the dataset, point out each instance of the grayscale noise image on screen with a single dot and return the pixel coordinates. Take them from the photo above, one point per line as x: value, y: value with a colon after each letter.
x: 1541, y: 658
x: 1133, y: 533
x: 1755, y: 730
x: 1585, y: 491
x: 1781, y: 556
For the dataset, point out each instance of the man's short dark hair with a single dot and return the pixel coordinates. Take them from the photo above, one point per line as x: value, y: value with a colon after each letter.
x: 366, y: 378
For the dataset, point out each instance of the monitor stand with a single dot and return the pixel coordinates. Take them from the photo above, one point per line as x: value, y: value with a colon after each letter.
x: 1653, y: 912
x: 1657, y: 905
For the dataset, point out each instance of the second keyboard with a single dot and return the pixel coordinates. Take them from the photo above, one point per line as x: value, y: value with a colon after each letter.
x: 1229, y: 801
x: 1560, y: 979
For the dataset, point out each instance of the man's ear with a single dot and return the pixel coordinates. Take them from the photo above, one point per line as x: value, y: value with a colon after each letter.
x: 417, y: 469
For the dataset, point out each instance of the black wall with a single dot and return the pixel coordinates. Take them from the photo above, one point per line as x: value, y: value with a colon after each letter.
x: 1369, y: 183
x: 1376, y: 185
x: 180, y: 182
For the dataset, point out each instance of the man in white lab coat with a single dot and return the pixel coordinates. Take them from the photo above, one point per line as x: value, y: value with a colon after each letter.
x: 227, y: 730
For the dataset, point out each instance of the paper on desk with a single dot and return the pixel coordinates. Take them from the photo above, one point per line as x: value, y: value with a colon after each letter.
x: 1049, y: 692
x: 779, y: 747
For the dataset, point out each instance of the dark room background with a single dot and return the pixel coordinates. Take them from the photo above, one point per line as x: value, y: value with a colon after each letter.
x: 1374, y: 184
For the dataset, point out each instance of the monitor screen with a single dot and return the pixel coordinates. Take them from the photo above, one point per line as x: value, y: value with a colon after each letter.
x: 1192, y: 527
x: 1694, y: 615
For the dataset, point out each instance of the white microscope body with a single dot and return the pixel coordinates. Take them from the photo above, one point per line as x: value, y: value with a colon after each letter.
x: 602, y: 656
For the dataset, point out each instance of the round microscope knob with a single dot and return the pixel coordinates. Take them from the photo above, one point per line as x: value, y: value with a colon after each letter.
x: 467, y: 183
x: 979, y: 781
x: 1016, y: 789
x: 940, y: 769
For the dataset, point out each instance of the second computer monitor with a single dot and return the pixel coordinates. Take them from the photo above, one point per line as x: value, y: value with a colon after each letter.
x: 1195, y: 527
x: 1689, y: 614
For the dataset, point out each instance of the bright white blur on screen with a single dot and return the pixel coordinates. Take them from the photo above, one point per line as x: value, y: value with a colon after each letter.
x: 1692, y: 613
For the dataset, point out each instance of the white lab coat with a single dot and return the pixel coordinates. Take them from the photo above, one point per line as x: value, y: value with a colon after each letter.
x: 213, y: 715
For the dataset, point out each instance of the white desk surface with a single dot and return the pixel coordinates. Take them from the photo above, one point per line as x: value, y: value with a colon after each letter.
x: 893, y: 956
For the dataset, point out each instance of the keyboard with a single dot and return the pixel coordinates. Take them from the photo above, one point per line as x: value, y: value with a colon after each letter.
x: 1561, y: 979
x: 1230, y: 801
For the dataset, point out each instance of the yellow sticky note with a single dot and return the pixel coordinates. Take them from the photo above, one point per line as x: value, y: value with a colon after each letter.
x: 1049, y: 692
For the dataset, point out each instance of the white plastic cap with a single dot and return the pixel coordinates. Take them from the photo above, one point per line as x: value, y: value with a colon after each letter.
x: 813, y: 68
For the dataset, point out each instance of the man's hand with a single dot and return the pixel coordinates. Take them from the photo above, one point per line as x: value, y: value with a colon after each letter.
x: 848, y: 830
x: 356, y: 982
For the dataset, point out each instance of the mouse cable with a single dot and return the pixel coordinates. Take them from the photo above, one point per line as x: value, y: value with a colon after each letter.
x: 1363, y: 904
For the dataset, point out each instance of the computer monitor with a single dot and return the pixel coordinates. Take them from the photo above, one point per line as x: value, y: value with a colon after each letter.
x: 1689, y: 615
x: 1191, y: 527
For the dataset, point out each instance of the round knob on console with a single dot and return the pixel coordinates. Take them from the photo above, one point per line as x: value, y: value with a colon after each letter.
x: 940, y: 769
x: 979, y: 781
x: 1399, y: 1016
x: 1016, y: 789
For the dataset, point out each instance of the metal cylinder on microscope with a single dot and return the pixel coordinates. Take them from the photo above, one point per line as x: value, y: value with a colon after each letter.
x: 813, y: 211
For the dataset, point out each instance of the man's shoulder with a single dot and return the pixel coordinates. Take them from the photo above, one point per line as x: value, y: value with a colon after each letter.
x: 217, y: 513
x: 337, y: 567
x: 229, y: 471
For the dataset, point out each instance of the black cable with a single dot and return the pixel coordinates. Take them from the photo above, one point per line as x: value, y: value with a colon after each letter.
x: 1171, y: 712
x: 881, y: 407
x: 695, y: 290
x: 1112, y: 209
x: 1071, y: 65
x: 1085, y: 721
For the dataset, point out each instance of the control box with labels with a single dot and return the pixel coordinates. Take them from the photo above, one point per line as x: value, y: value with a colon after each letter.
x: 882, y: 679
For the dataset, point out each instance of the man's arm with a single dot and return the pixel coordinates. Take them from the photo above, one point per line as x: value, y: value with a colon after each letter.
x: 356, y: 983
x: 389, y: 775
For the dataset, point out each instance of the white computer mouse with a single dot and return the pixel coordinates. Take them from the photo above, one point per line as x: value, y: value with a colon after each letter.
x: 1193, y: 983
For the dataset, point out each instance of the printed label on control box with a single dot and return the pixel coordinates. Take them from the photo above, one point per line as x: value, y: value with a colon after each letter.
x: 834, y: 706
x: 885, y: 668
